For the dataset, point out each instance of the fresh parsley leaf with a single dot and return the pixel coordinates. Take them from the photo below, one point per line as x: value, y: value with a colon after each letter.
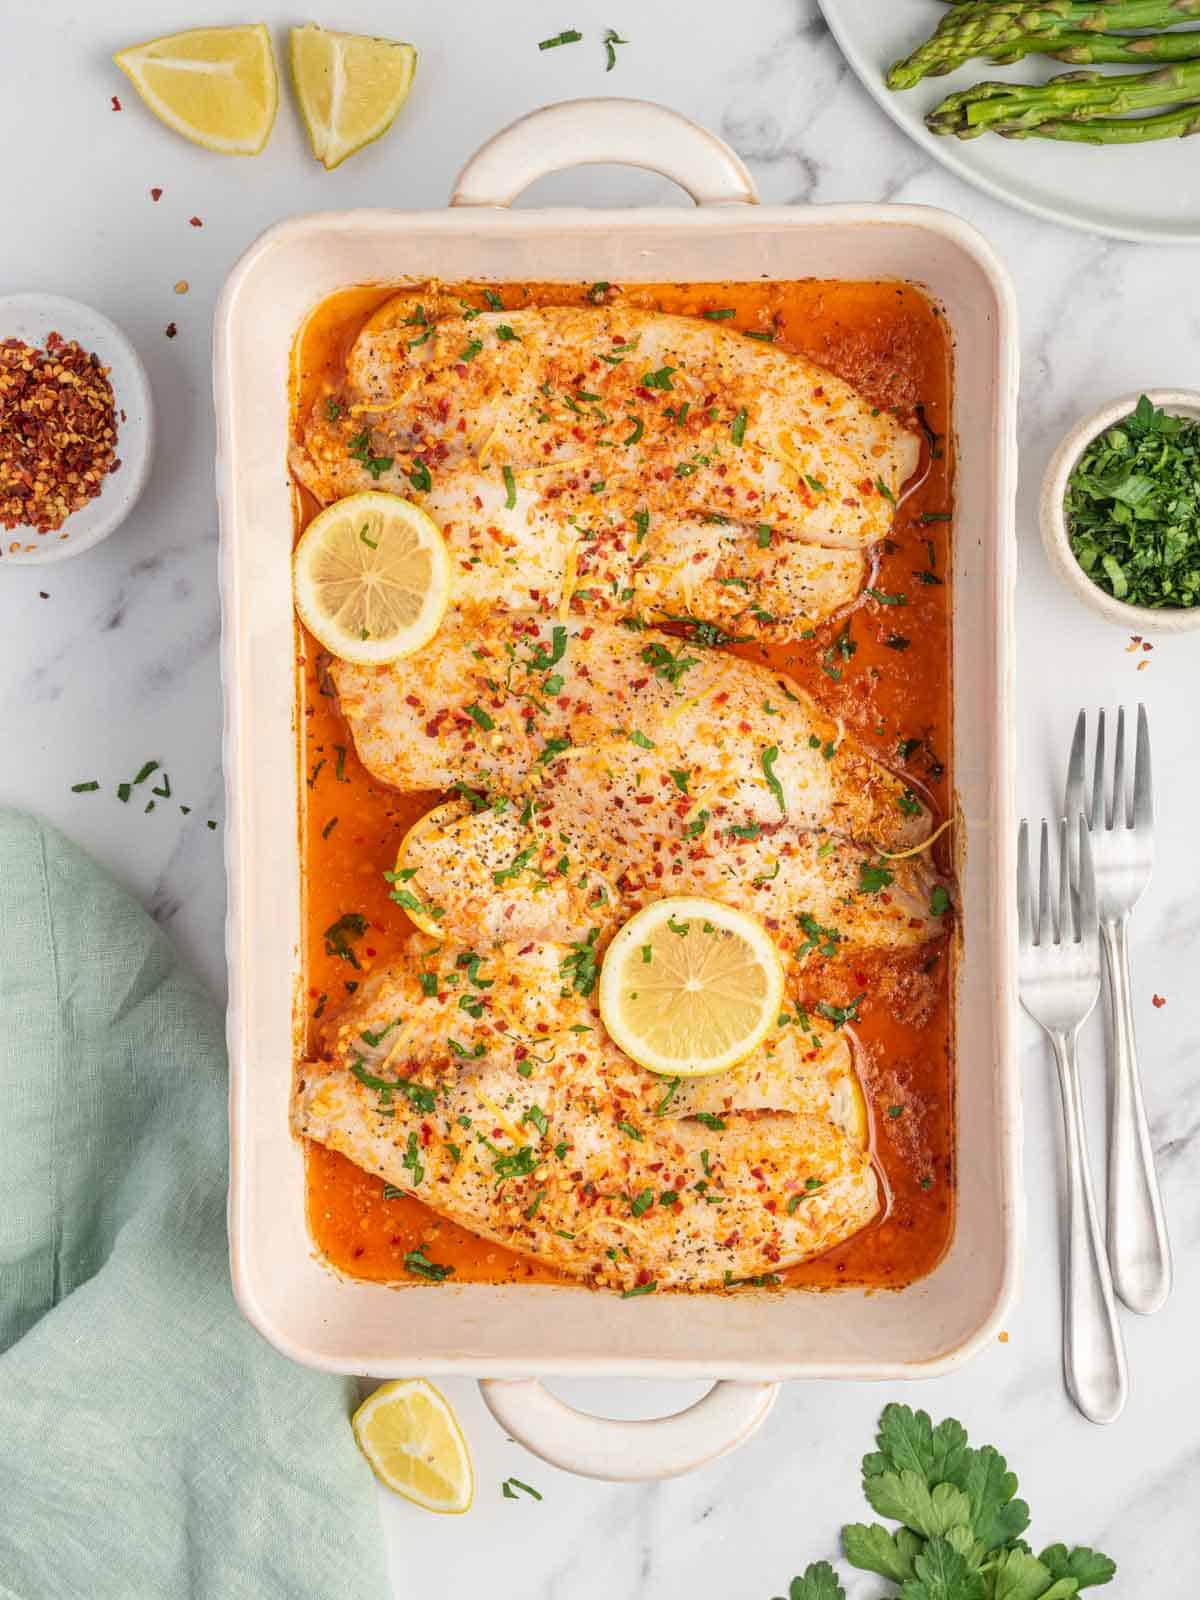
x: 419, y: 1265
x: 818, y: 1582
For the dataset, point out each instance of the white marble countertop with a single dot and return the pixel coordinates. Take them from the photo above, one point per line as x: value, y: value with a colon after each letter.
x: 117, y: 663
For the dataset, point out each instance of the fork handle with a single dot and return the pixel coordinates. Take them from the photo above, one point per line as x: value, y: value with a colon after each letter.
x: 1138, y: 1249
x: 1093, y: 1353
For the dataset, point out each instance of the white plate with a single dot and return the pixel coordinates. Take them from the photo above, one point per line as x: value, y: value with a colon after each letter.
x: 1149, y: 193
x: 33, y: 318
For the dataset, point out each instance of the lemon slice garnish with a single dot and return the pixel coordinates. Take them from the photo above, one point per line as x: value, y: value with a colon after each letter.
x: 349, y: 88
x: 372, y: 578
x: 690, y: 986
x: 216, y: 86
x: 412, y: 1439
x: 426, y: 830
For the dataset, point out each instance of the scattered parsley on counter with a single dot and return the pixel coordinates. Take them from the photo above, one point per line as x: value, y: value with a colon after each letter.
x: 611, y: 39
x: 1133, y: 509
x: 510, y: 1486
x: 567, y: 36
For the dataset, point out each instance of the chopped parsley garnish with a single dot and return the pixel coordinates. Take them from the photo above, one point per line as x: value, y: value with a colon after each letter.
x: 580, y: 967
x: 824, y: 940
x: 493, y: 300
x: 536, y: 1117
x: 419, y: 477
x: 480, y: 717
x: 85, y: 788
x: 412, y: 1159
x: 630, y: 1131
x: 342, y: 935
x: 768, y: 759
x: 767, y: 338
x: 707, y: 633
x: 939, y: 901
x: 638, y: 1290
x: 639, y: 738
x: 660, y: 379
x: 419, y: 1265
x: 667, y: 666
x: 641, y: 1202
x: 461, y: 1051
x: 839, y: 1015
x: 641, y: 522
x: 763, y: 536
x: 359, y: 449
x: 712, y: 1122
x: 470, y: 351
x: 517, y: 1164
x: 540, y: 661
x: 888, y: 599
x: 720, y: 315
x: 885, y: 491
x: 429, y: 983
x: 567, y: 36
x: 510, y: 488
x: 737, y: 428
x: 332, y: 410
x: 660, y: 1109
x: 909, y: 804
x: 505, y: 334
x: 697, y: 826
x: 552, y: 748
x: 516, y: 866
x: 873, y: 877
x: 815, y: 484
x: 680, y: 779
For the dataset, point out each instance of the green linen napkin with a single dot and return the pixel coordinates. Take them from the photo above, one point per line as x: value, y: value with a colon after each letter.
x: 152, y: 1446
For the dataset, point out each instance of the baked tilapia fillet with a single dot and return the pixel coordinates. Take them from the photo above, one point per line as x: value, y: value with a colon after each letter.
x: 611, y: 461
x: 484, y: 1084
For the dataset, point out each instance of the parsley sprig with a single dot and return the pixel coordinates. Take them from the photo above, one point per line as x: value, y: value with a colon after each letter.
x: 961, y: 1524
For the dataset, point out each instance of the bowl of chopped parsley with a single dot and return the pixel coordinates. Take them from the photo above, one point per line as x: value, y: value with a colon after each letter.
x: 1120, y: 510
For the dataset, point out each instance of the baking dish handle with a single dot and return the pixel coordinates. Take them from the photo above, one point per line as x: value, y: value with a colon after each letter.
x: 631, y: 133
x: 628, y: 1452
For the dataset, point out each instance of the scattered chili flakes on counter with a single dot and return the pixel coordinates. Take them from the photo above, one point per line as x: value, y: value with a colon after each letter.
x: 171, y: 330
x: 1158, y: 1001
x: 196, y: 222
x: 156, y: 194
x: 58, y: 431
x: 116, y: 104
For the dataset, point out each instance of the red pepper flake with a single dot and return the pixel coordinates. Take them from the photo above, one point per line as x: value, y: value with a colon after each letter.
x: 156, y: 194
x: 116, y: 104
x: 195, y: 222
x: 1157, y: 1001
x: 171, y: 330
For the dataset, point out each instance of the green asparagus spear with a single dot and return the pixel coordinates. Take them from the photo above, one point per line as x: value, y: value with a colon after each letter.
x: 1016, y: 108
x: 1119, y: 130
x: 1095, y: 49
x: 1005, y: 30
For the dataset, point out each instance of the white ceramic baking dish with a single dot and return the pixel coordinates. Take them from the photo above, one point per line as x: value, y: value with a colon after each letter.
x: 511, y: 1335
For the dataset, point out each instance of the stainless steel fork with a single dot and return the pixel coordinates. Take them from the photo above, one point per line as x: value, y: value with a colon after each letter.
x: 1059, y: 975
x: 1122, y: 838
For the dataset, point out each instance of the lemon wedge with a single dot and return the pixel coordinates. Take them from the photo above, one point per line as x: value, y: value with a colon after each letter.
x: 690, y: 986
x: 412, y: 1439
x: 349, y: 88
x: 216, y: 86
x: 372, y: 578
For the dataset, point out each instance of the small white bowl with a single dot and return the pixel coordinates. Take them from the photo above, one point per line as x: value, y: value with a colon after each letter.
x: 33, y: 318
x: 1052, y: 515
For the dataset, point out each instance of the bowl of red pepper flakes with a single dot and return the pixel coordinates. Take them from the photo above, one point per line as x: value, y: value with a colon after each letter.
x: 76, y: 428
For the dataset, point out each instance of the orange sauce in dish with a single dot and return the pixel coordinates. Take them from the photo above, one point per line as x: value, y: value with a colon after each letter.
x: 893, y: 691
